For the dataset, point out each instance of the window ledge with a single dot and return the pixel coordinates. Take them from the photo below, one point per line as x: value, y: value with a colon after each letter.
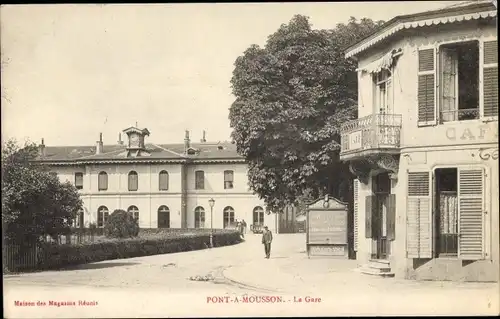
x: 460, y: 122
x: 490, y: 119
x: 448, y: 258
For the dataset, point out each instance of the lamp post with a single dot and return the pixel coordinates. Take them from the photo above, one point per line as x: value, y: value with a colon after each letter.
x: 211, y: 202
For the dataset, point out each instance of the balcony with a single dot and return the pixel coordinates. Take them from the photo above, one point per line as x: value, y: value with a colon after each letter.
x: 373, y: 135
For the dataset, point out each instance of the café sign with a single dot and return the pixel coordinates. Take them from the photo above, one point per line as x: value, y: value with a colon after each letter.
x: 473, y: 133
x: 488, y: 153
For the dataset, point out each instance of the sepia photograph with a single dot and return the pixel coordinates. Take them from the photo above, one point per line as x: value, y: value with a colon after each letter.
x: 259, y: 159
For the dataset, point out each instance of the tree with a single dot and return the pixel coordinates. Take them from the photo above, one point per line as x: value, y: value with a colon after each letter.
x: 292, y: 95
x: 34, y: 203
x: 121, y: 224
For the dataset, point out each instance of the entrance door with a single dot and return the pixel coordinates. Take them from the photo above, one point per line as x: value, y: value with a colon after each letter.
x: 381, y: 189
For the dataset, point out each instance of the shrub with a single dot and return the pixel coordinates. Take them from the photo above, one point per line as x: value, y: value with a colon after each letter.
x: 121, y: 224
x: 58, y: 256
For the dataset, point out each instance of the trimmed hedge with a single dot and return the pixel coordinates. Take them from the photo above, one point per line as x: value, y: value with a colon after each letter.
x: 149, y: 243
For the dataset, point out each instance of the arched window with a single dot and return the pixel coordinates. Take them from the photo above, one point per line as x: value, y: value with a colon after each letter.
x: 258, y: 216
x: 134, y: 210
x: 228, y: 216
x: 102, y: 181
x: 102, y: 216
x: 163, y: 177
x: 133, y: 181
x: 163, y: 217
x: 199, y: 217
x: 228, y: 179
x: 78, y: 222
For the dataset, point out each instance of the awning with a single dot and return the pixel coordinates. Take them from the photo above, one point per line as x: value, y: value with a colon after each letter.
x: 384, y: 63
x: 385, y: 33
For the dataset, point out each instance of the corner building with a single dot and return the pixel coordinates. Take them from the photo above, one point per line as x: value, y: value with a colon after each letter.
x: 164, y: 185
x: 424, y: 147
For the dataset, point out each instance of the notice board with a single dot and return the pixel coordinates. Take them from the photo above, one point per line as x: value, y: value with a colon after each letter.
x: 327, y: 228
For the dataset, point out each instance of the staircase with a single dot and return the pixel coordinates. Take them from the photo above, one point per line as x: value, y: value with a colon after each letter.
x: 377, y: 267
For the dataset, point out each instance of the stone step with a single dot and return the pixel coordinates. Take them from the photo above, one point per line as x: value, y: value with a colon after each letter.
x: 380, y: 261
x: 375, y: 272
x: 379, y: 267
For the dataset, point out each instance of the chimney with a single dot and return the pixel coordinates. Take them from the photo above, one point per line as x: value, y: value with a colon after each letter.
x: 99, y: 146
x: 42, y: 148
x: 120, y: 142
x: 186, y: 141
x: 203, y: 140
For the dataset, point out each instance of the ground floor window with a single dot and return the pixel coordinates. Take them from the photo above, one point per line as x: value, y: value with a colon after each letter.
x: 228, y: 216
x: 134, y: 211
x: 199, y: 217
x: 258, y: 216
x: 446, y: 213
x: 446, y: 217
x: 102, y: 216
x: 163, y: 217
x: 79, y: 219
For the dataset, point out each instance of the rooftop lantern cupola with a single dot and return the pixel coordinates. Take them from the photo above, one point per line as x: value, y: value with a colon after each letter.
x: 136, y: 146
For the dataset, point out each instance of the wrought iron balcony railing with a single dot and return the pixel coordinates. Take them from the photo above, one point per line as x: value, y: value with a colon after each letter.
x: 376, y: 132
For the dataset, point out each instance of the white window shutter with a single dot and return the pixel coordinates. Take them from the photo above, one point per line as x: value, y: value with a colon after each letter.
x: 471, y: 213
x: 419, y: 215
x: 355, y: 213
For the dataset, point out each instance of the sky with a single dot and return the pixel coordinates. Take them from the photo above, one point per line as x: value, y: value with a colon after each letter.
x: 70, y: 72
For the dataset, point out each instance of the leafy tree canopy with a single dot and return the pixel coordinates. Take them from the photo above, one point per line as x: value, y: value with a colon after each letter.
x: 292, y: 95
x: 34, y: 203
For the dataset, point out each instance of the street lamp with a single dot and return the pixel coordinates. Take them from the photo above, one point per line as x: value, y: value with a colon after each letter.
x: 211, y: 202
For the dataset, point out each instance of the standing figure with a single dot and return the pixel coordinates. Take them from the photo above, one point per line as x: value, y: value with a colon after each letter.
x: 267, y: 238
x: 238, y: 226
x: 244, y: 225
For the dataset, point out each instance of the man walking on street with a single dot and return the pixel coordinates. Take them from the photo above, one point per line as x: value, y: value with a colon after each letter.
x: 267, y: 238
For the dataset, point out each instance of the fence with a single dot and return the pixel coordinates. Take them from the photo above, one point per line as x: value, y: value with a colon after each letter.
x: 20, y: 257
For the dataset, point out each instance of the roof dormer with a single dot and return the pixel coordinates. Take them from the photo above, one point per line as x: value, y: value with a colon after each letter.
x: 136, y: 141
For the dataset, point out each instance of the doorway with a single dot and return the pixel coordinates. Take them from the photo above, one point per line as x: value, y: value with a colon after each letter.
x: 381, y: 187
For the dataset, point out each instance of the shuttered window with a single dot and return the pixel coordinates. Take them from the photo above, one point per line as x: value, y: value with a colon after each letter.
x: 199, y: 182
x: 490, y: 79
x: 163, y: 180
x: 163, y: 217
x: 471, y: 220
x: 79, y: 180
x: 369, y: 216
x: 133, y: 181
x: 102, y: 182
x: 355, y: 212
x: 228, y: 179
x: 391, y: 217
x: 426, y: 87
x: 419, y: 215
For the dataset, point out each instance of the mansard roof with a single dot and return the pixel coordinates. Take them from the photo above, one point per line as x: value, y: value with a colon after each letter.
x: 205, y: 152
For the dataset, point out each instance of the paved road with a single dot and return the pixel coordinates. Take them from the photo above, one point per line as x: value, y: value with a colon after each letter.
x: 158, y: 286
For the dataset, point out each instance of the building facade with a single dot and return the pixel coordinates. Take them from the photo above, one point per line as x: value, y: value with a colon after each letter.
x: 424, y: 147
x: 164, y: 186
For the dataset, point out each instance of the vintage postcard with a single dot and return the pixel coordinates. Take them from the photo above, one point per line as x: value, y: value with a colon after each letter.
x: 250, y: 159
